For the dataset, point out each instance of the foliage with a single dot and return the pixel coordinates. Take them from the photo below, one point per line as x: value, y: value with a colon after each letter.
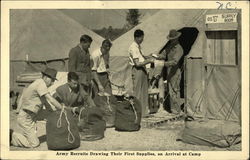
x: 132, y: 18
x: 111, y: 33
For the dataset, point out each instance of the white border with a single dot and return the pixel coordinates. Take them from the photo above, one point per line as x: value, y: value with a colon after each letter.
x: 6, y: 5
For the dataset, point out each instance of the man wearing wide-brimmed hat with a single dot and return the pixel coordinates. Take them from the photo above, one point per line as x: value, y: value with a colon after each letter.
x: 172, y: 53
x: 33, y: 98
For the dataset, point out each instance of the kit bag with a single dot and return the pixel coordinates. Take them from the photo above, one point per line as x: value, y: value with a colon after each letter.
x: 128, y: 115
x: 91, y: 124
x: 62, y: 131
x: 107, y: 106
x: 216, y: 133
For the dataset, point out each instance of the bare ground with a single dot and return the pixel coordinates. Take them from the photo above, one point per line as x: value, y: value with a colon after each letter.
x: 159, y: 138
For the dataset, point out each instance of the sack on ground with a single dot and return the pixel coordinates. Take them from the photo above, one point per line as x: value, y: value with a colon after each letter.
x: 106, y: 105
x: 128, y: 115
x: 91, y: 124
x: 62, y: 131
x: 212, y: 133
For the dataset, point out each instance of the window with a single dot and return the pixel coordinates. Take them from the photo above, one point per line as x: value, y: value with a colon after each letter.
x: 221, y: 48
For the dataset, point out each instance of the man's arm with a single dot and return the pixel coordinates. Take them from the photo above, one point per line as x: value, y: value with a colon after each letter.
x: 162, y: 55
x: 96, y: 61
x: 72, y: 61
x: 55, y: 104
x: 176, y: 58
x: 57, y: 97
x: 19, y: 104
x: 170, y: 63
x: 134, y: 53
x: 89, y: 101
x: 96, y: 79
x: 86, y: 97
x: 140, y: 64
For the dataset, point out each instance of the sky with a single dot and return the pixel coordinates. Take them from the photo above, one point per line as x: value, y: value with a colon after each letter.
x: 99, y: 18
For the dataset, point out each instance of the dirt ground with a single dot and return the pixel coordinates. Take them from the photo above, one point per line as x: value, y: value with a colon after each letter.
x: 159, y: 138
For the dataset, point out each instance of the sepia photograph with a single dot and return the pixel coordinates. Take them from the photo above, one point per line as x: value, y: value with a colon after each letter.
x: 141, y: 82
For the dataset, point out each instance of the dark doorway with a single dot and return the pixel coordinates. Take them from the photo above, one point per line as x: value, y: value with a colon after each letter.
x: 187, y: 39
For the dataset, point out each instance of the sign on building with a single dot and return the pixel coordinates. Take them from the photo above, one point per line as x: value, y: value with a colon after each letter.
x: 221, y: 18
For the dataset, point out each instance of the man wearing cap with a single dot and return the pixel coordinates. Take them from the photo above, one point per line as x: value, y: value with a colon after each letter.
x: 139, y: 73
x: 173, y: 53
x: 35, y: 95
x: 81, y: 63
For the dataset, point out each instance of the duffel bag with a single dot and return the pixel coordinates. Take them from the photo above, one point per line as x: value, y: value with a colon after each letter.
x: 128, y: 115
x: 91, y: 124
x: 107, y: 107
x: 216, y: 133
x: 62, y: 131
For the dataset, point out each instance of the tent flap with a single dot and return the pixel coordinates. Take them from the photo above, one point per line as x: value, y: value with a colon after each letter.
x: 223, y: 93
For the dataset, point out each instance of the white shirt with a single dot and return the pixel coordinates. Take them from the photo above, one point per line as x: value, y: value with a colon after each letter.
x: 135, y: 52
x: 32, y: 95
x: 99, y: 63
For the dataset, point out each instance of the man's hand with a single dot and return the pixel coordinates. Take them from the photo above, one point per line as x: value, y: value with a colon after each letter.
x: 54, y: 103
x: 75, y: 111
x: 101, y: 88
x: 53, y: 108
x: 170, y: 63
x: 160, y: 57
x: 151, y: 60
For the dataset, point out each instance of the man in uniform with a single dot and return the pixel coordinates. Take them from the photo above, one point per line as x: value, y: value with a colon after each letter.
x: 173, y: 53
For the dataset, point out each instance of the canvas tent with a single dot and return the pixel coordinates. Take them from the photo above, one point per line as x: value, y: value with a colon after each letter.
x: 213, y: 78
x: 212, y: 90
x: 43, y: 37
x: 221, y: 70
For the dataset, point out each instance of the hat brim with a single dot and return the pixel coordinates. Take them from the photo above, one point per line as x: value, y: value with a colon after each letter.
x: 49, y: 76
x: 177, y: 36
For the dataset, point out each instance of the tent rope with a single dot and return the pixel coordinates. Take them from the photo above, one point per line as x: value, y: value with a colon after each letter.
x: 197, y: 18
x: 120, y: 87
x: 46, y: 63
x: 233, y: 104
x: 222, y: 106
x: 31, y: 64
x: 201, y: 98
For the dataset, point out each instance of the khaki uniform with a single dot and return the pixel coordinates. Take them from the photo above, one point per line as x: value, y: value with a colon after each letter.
x: 174, y: 77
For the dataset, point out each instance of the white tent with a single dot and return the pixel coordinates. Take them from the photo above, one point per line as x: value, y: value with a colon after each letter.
x: 43, y: 37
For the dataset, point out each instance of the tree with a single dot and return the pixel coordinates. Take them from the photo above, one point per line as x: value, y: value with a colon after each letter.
x: 109, y: 33
x: 132, y: 18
